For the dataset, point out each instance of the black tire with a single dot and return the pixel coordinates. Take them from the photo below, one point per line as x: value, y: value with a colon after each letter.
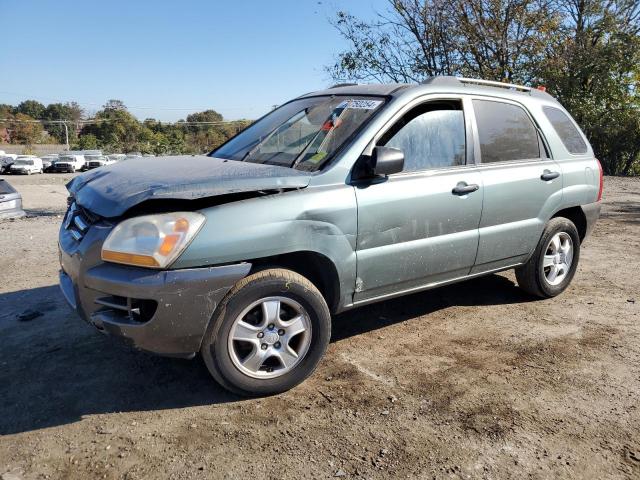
x: 531, y: 276
x: 265, y: 283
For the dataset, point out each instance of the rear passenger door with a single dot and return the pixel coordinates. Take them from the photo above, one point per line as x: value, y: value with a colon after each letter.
x: 522, y: 185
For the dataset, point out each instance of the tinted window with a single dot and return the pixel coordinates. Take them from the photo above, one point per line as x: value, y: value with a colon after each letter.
x: 506, y: 132
x: 430, y: 139
x: 5, y: 188
x: 567, y: 131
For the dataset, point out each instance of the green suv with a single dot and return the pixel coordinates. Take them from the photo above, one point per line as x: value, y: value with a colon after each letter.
x: 338, y: 198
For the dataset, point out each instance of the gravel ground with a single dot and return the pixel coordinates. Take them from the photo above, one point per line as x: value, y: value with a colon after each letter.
x: 474, y: 380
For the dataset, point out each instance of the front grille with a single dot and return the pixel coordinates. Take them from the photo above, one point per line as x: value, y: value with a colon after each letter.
x: 78, y: 220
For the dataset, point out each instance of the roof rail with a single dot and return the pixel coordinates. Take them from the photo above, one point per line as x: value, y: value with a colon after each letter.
x: 492, y: 83
x: 450, y: 80
x: 338, y: 85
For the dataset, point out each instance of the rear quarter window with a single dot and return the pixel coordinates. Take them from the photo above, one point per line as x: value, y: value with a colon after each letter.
x: 5, y: 188
x: 566, y: 130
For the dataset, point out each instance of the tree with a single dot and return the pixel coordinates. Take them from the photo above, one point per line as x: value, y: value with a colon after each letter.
x: 70, y: 112
x: 113, y: 105
x: 594, y: 70
x: 32, y: 108
x: 87, y: 142
x: 587, y: 52
x: 25, y: 130
x: 415, y: 39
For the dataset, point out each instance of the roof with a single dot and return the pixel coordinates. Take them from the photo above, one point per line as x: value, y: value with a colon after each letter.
x: 362, y: 89
x: 439, y: 83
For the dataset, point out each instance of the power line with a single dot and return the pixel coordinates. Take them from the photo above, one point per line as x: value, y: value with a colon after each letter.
x: 107, y: 120
x: 138, y: 107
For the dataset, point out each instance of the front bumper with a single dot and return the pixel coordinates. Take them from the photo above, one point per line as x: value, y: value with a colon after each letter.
x: 161, y: 311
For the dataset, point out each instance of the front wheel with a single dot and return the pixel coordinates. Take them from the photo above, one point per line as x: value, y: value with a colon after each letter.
x: 268, y: 334
x: 553, y: 264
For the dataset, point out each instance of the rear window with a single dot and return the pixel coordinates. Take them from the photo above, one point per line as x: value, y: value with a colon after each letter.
x: 5, y: 188
x: 506, y: 132
x: 566, y: 130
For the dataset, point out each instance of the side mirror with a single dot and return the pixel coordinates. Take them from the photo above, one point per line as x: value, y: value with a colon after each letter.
x: 386, y: 160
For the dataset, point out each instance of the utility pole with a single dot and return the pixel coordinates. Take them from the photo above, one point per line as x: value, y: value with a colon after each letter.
x: 66, y: 134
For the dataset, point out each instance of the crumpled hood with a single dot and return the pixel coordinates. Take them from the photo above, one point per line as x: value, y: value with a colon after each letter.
x: 112, y: 190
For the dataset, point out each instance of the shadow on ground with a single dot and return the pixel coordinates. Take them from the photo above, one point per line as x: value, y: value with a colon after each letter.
x: 54, y: 369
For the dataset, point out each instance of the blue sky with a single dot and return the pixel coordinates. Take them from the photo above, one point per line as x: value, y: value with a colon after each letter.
x: 165, y: 59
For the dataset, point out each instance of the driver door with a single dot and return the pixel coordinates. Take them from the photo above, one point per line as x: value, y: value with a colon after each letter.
x: 420, y: 227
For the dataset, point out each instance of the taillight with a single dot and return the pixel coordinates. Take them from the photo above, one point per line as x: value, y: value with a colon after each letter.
x: 601, y: 181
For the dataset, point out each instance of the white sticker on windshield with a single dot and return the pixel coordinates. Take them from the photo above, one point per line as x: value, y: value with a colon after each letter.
x: 360, y: 104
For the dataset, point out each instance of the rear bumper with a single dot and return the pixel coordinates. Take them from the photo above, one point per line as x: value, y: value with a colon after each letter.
x: 160, y: 311
x: 592, y: 213
x: 11, y: 206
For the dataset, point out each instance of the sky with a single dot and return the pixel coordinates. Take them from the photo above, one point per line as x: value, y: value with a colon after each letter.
x: 165, y: 59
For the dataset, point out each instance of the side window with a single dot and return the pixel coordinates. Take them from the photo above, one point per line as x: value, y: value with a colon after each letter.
x: 505, y: 131
x: 431, y: 136
x: 566, y: 130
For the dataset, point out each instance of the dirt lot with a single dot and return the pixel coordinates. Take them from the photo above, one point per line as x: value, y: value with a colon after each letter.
x: 475, y: 380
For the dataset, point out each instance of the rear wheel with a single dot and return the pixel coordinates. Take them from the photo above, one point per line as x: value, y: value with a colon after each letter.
x: 552, y: 267
x: 268, y: 334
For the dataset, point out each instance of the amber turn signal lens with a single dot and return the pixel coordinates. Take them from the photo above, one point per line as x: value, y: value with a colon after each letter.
x: 168, y: 244
x: 181, y: 225
x: 129, y: 258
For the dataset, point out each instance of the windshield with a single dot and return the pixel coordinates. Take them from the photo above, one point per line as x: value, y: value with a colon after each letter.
x: 302, y: 134
x: 94, y: 158
x: 67, y: 159
x: 24, y: 162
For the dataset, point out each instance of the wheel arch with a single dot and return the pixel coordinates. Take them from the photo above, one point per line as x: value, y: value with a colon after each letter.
x: 577, y: 216
x: 316, y: 267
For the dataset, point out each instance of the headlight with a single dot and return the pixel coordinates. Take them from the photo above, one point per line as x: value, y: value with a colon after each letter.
x: 152, y: 240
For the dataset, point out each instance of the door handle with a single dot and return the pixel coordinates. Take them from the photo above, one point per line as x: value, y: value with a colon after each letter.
x: 462, y: 188
x: 549, y: 175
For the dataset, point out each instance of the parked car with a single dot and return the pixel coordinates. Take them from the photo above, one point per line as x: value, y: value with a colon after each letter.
x: 69, y: 163
x: 95, y: 161
x: 26, y: 165
x: 117, y: 157
x: 10, y: 201
x: 6, y: 160
x: 336, y: 199
x: 49, y: 161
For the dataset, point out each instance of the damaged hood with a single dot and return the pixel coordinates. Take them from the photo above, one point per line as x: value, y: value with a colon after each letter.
x: 112, y: 190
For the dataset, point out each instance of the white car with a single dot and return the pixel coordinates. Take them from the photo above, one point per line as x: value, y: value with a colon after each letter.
x: 117, y: 157
x: 95, y: 161
x: 26, y: 164
x: 70, y: 163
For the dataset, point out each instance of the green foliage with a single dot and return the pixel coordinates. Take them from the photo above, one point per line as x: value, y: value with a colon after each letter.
x: 587, y: 52
x: 87, y: 142
x: 31, y: 108
x: 70, y: 112
x: 116, y: 130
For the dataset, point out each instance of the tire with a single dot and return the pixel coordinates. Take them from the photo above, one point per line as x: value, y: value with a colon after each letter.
x: 537, y: 275
x: 72, y: 170
x: 300, y: 305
